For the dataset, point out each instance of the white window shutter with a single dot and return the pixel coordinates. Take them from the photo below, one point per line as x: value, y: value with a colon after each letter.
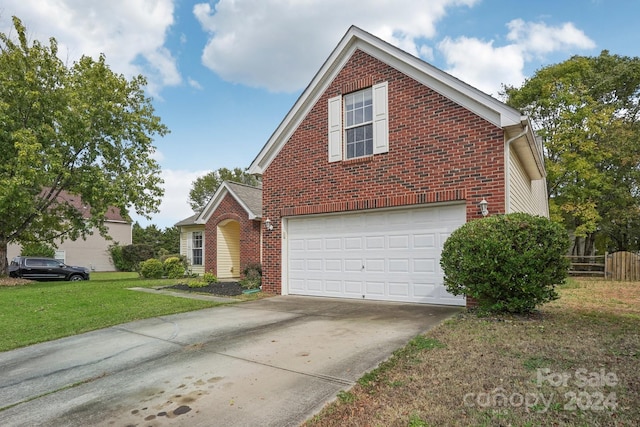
x: 335, y: 129
x: 380, y: 118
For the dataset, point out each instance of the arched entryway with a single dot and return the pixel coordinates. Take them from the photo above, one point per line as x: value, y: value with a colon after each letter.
x: 228, y: 250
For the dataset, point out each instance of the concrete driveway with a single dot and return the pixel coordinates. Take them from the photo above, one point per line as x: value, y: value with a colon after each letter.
x: 274, y: 362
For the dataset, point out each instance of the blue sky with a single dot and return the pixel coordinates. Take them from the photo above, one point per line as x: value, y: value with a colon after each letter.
x: 223, y: 74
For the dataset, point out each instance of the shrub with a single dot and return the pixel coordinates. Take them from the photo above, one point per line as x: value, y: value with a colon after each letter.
x: 252, y: 276
x: 209, y: 277
x: 506, y: 262
x: 173, y: 267
x: 197, y: 283
x: 133, y: 255
x: 117, y: 258
x: 38, y: 249
x: 151, y: 269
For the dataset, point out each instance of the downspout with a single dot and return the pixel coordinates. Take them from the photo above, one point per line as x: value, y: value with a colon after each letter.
x: 507, y: 153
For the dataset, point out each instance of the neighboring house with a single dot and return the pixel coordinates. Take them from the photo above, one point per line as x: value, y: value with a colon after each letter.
x: 225, y: 236
x: 378, y: 161
x: 92, y: 252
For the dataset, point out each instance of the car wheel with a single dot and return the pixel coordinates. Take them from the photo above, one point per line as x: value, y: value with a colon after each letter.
x: 76, y: 278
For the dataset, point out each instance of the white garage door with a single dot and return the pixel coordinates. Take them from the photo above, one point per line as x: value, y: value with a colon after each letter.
x: 391, y: 255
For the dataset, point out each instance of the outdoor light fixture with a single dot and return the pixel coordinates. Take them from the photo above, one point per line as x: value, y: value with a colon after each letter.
x: 484, y: 207
x: 268, y: 225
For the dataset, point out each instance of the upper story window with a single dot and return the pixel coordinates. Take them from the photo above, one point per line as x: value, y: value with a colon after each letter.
x: 358, y: 124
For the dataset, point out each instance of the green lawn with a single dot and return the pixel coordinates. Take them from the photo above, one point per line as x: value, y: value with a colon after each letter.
x: 43, y: 311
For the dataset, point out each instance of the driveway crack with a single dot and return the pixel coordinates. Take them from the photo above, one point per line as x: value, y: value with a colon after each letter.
x: 327, y: 378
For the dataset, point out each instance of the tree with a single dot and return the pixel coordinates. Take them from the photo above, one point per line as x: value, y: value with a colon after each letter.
x: 587, y: 112
x: 165, y: 241
x: 204, y: 187
x: 78, y: 130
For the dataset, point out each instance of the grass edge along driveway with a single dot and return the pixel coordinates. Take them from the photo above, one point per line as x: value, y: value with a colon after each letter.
x: 44, y: 311
x: 575, y: 362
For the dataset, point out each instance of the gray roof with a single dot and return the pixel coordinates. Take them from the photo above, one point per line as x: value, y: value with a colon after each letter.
x: 188, y: 221
x: 250, y: 196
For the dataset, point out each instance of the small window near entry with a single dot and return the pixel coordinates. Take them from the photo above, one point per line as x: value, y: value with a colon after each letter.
x: 196, y: 248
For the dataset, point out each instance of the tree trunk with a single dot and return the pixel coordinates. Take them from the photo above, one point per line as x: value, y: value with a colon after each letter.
x: 4, y: 265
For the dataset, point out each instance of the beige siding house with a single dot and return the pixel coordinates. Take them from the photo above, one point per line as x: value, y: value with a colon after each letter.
x: 93, y: 252
x: 526, y: 183
x: 192, y: 243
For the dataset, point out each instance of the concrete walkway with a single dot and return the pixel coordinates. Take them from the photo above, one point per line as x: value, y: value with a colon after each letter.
x: 271, y: 362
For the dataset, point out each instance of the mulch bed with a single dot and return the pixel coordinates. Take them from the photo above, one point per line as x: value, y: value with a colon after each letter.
x: 221, y: 288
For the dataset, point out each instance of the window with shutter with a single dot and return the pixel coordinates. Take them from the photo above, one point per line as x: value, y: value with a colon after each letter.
x: 358, y: 124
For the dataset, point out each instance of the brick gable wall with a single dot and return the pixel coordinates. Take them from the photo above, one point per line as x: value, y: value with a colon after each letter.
x: 229, y: 208
x: 438, y: 151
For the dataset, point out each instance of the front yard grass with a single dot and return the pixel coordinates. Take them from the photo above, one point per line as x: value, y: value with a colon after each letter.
x: 574, y: 363
x: 43, y: 311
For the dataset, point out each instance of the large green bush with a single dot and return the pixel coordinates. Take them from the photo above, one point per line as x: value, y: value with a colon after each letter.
x: 508, y: 263
x: 151, y: 269
x: 174, y: 268
x: 128, y: 258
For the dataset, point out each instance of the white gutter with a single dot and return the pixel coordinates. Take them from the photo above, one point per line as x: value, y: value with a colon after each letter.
x: 507, y: 153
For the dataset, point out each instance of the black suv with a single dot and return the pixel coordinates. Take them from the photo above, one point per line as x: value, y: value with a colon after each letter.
x: 38, y: 268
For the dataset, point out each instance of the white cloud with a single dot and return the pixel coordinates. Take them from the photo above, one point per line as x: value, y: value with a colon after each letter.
x: 175, y: 203
x: 194, y: 83
x: 130, y: 33
x: 539, y: 38
x: 487, y: 67
x: 481, y: 64
x: 280, y: 45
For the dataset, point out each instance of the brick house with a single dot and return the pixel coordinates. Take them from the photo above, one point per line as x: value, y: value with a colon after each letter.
x: 225, y: 236
x: 377, y: 162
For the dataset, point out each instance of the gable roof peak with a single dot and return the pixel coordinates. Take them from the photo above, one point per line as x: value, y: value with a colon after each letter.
x: 355, y: 38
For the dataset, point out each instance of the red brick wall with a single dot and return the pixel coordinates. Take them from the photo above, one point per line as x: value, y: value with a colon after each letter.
x: 229, y: 208
x: 438, y: 151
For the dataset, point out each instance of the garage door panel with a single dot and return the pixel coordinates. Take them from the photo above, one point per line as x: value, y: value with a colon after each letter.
x: 314, y: 265
x: 399, y: 242
x: 425, y: 290
x: 374, y: 265
x: 352, y: 265
x: 375, y: 288
x: 333, y: 265
x: 397, y: 266
x: 333, y: 286
x: 422, y: 241
x: 375, y: 242
x: 381, y: 255
x: 333, y: 244
x: 352, y: 287
x: 314, y: 244
x: 351, y: 243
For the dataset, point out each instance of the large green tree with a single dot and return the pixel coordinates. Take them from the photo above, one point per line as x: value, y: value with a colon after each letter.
x: 167, y: 240
x: 70, y: 131
x: 587, y: 112
x: 204, y: 187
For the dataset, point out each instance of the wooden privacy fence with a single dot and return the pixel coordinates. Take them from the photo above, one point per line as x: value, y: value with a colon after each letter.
x: 621, y: 266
